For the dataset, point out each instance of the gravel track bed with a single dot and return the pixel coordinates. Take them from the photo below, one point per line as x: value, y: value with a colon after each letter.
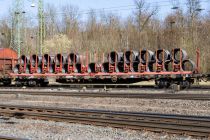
x: 48, y: 130
x: 119, y: 104
x: 110, y: 90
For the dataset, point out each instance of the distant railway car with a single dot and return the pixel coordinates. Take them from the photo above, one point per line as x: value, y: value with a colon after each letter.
x: 8, y: 59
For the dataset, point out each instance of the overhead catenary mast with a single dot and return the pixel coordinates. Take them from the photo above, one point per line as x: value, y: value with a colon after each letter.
x: 17, y: 25
x: 41, y: 25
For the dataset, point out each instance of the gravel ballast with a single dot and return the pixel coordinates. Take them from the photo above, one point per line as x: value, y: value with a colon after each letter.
x: 48, y: 130
x: 185, y: 107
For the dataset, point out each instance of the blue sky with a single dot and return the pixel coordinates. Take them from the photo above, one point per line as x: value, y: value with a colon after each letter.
x: 83, y: 5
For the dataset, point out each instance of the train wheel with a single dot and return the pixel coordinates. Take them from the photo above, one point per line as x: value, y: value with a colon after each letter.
x: 19, y: 84
x: 168, y: 84
x: 44, y: 84
x: 32, y: 83
x: 114, y: 79
x: 160, y: 84
x: 185, y: 84
x: 7, y: 83
x: 163, y: 84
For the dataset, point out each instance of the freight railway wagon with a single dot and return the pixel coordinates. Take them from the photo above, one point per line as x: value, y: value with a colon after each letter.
x: 8, y: 59
x: 163, y: 66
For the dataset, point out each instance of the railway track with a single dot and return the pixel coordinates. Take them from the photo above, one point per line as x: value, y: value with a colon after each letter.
x: 177, y: 124
x: 101, y: 86
x: 10, y: 138
x: 90, y: 86
x: 112, y: 94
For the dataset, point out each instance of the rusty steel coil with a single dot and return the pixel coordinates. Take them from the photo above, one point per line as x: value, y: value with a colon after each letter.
x: 59, y: 59
x: 92, y: 67
x: 147, y: 56
x: 131, y: 56
x: 188, y: 65
x: 52, y: 68
x: 114, y: 57
x: 78, y: 68
x: 168, y: 66
x: 16, y: 68
x: 47, y: 59
x: 135, y: 67
x: 23, y: 60
x: 105, y: 67
x: 162, y: 56
x: 120, y: 67
x: 39, y: 69
x: 73, y: 58
x: 28, y: 68
x: 35, y: 60
x: 179, y: 55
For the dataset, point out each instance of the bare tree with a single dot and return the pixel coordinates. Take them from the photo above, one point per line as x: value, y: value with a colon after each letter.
x: 51, y: 21
x: 144, y: 13
x: 70, y: 20
x: 105, y: 31
x: 193, y: 10
x: 5, y: 35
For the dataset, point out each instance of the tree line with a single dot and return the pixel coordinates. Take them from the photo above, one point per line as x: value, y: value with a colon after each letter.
x: 105, y: 31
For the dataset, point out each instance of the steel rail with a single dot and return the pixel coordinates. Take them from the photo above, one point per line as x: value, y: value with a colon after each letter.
x: 114, y: 94
x: 101, y: 86
x: 10, y: 138
x: 179, y: 124
x: 69, y: 86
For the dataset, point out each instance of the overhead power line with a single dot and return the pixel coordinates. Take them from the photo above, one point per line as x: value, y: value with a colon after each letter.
x: 119, y: 8
x: 122, y: 8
